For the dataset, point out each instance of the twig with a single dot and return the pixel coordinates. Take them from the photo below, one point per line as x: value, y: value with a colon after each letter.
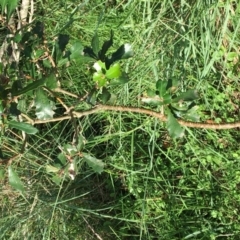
x: 60, y: 90
x: 157, y: 115
x: 58, y: 99
x: 9, y: 161
x: 98, y: 237
x: 31, y: 121
x: 23, y: 13
x: 75, y: 126
x: 66, y: 92
x: 31, y: 13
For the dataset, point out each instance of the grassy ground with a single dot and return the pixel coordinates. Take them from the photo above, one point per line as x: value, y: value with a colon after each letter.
x: 152, y: 187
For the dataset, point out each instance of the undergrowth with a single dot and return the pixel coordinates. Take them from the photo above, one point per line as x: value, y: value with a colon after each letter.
x: 152, y: 186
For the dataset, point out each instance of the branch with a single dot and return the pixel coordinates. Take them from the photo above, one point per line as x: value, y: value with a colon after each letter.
x: 161, y: 117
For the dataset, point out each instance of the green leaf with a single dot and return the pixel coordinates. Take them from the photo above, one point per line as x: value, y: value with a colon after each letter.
x: 169, y: 84
x: 14, y: 180
x: 152, y: 99
x: 87, y: 51
x: 99, y: 66
x: 128, y: 52
x: 182, y: 107
x: 95, y: 43
x: 17, y: 38
x: 22, y: 105
x: 47, y: 63
x: 231, y: 56
x: 123, y: 52
x: 123, y: 79
x: 96, y: 164
x: 60, y: 46
x: 106, y: 45
x: 70, y: 149
x: 81, y: 142
x: 44, y: 107
x: 161, y: 87
x: 3, y: 4
x: 64, y: 61
x: 62, y: 158
x: 190, y: 95
x: 52, y: 169
x: 167, y: 98
x: 100, y: 78
x: 113, y: 99
x: 105, y: 95
x: 114, y: 71
x: 57, y: 180
x: 76, y: 50
x: 13, y: 110
x: 192, y: 114
x: 32, y: 86
x: 151, y: 93
x: 11, y: 6
x: 63, y: 40
x: 25, y: 127
x: 51, y: 81
x: 38, y: 29
x: 92, y: 97
x: 16, y: 86
x: 174, y: 128
x: 38, y: 53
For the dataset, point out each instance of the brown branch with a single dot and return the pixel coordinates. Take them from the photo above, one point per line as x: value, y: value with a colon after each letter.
x: 58, y: 99
x: 60, y: 90
x: 161, y: 117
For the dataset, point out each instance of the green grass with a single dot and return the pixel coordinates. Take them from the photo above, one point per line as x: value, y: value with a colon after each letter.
x: 152, y: 187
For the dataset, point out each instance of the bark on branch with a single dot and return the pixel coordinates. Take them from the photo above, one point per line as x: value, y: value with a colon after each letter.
x: 161, y: 117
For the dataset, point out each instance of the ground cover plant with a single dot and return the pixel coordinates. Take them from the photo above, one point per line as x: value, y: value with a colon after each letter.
x: 119, y: 119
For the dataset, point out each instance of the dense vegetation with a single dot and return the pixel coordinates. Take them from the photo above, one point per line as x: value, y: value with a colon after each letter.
x: 96, y: 97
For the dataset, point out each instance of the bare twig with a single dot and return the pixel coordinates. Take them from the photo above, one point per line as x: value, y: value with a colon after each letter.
x: 154, y: 114
x: 66, y: 92
x: 29, y: 120
x: 23, y: 13
x: 58, y: 99
x: 31, y: 13
x: 98, y: 237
